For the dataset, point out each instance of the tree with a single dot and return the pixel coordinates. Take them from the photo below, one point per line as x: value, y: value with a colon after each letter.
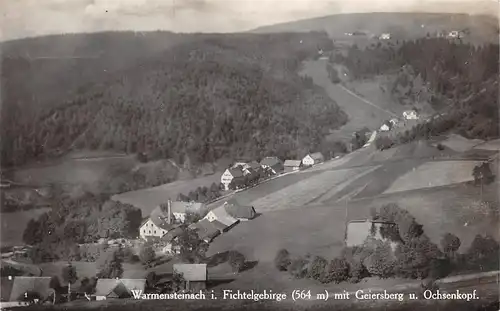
x: 151, y: 279
x: 316, y: 268
x: 450, y: 243
x: 337, y: 271
x: 415, y: 257
x: 483, y: 252
x: 69, y: 276
x: 54, y: 283
x: 147, y: 255
x: 110, y: 264
x: 298, y: 268
x: 381, y: 262
x: 192, y: 248
x: 282, y: 260
x: 357, y: 271
x: 236, y: 260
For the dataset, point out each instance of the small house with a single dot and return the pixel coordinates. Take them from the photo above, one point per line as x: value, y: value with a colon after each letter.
x: 313, y: 159
x: 394, y: 122
x: 220, y: 214
x: 118, y: 288
x: 292, y: 165
x: 385, y: 36
x: 195, y: 275
x: 274, y: 164
x: 239, y: 212
x: 410, y: 115
x: 229, y: 175
x: 386, y: 126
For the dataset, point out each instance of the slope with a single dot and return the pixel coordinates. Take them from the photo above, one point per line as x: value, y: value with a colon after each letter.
x: 226, y: 95
x: 482, y: 28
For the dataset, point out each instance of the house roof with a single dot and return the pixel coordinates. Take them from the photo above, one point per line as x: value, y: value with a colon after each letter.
x: 219, y: 225
x: 270, y: 161
x: 6, y: 288
x: 183, y: 207
x: 23, y: 284
x: 118, y: 287
x: 292, y: 163
x: 172, y: 234
x: 254, y: 165
x: 236, y: 172
x: 192, y: 272
x: 317, y: 156
x: 159, y: 216
x: 222, y: 216
x: 240, y: 211
x: 206, y: 229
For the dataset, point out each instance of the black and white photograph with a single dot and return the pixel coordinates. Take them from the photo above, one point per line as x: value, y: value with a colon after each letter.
x: 254, y: 155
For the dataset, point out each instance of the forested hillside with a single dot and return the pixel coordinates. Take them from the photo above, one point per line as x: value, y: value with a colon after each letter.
x: 462, y: 77
x: 222, y: 95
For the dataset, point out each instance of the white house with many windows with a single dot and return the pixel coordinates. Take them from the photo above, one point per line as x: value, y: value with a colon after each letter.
x: 313, y: 158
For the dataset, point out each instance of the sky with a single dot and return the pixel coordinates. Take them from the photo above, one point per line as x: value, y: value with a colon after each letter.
x: 28, y: 18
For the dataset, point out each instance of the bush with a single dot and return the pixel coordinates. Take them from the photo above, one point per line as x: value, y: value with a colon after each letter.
x: 381, y: 262
x: 316, y: 269
x: 383, y: 142
x: 337, y: 271
x: 450, y: 243
x: 357, y: 271
x: 483, y: 253
x: 415, y: 257
x: 282, y: 260
x: 298, y: 268
x: 236, y: 260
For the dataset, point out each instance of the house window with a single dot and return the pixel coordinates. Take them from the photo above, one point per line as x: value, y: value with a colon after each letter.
x: 154, y: 232
x: 149, y: 231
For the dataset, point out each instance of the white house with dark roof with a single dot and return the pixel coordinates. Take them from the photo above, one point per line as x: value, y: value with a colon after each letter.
x: 220, y: 214
x: 410, y: 115
x: 166, y: 217
x: 229, y: 175
x: 118, y: 288
x: 313, y: 158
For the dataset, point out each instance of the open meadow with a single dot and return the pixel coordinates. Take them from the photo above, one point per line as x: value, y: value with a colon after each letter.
x: 435, y: 174
x: 147, y: 199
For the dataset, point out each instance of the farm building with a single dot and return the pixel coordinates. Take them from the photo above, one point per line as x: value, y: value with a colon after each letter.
x: 206, y: 230
x: 386, y: 126
x: 238, y: 211
x: 195, y: 275
x: 272, y: 163
x: 118, y: 288
x: 169, y: 237
x: 385, y: 36
x: 26, y: 287
x: 360, y: 232
x: 166, y: 217
x: 313, y: 158
x: 255, y: 165
x: 220, y: 214
x: 410, y: 115
x: 292, y: 165
x: 229, y: 175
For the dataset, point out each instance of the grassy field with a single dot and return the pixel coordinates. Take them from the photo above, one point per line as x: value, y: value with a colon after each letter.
x: 360, y: 113
x: 489, y: 145
x: 319, y: 230
x: 75, y: 171
x: 13, y: 225
x: 434, y: 174
x: 460, y: 144
x: 148, y: 199
x: 305, y: 191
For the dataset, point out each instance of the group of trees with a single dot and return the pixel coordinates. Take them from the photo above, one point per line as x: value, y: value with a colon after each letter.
x: 57, y: 233
x: 221, y: 96
x: 482, y: 173
x: 403, y: 250
x: 201, y: 194
x: 461, y: 75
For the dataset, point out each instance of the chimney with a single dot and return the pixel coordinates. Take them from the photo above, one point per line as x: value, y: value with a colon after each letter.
x: 169, y: 211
